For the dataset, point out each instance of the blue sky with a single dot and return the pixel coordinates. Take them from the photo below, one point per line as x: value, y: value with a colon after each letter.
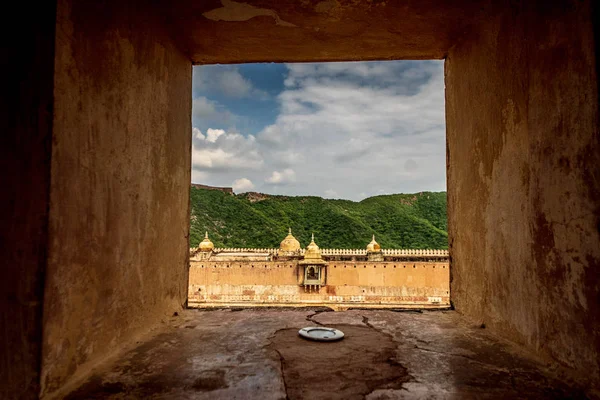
x: 338, y: 130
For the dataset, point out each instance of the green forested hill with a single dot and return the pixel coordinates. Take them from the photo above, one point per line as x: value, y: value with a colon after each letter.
x: 415, y: 221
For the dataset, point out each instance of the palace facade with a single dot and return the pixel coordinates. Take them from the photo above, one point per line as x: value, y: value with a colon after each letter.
x: 338, y: 278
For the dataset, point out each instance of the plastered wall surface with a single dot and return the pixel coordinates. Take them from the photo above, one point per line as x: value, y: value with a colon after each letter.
x: 228, y: 31
x: 279, y: 283
x: 523, y: 179
x: 120, y: 177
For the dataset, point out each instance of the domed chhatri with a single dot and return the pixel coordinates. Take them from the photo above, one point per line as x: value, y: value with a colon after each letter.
x: 314, y: 267
x: 290, y: 244
x: 373, y: 246
x: 312, y: 250
x: 374, y: 252
x: 206, y: 244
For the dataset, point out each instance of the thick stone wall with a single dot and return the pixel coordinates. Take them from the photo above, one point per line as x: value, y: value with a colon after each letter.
x: 320, y: 30
x: 523, y: 179
x: 120, y: 184
x: 382, y: 284
x: 26, y: 135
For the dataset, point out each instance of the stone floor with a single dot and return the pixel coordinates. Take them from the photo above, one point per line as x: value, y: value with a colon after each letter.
x: 257, y: 354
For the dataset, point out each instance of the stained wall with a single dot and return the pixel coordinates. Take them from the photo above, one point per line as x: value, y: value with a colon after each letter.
x: 524, y: 179
x: 119, y: 193
x: 226, y: 31
x: 385, y: 284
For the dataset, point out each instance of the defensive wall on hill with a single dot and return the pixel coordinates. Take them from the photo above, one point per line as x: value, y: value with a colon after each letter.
x: 227, y: 190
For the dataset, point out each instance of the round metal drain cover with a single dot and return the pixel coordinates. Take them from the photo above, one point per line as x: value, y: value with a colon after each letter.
x: 321, y: 333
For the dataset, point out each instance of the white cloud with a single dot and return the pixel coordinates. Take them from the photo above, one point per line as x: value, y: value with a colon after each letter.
x: 282, y: 178
x: 411, y: 165
x: 224, y: 151
x: 204, y: 108
x: 331, y: 193
x: 210, y: 112
x: 213, y: 134
x: 233, y: 84
x: 345, y: 130
x: 225, y: 80
x: 242, y: 185
x: 197, y: 135
x: 359, y: 127
x: 199, y: 176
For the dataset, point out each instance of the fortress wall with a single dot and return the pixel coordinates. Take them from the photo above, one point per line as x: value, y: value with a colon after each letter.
x: 417, y: 278
x: 227, y: 190
x: 276, y: 282
x: 243, y: 273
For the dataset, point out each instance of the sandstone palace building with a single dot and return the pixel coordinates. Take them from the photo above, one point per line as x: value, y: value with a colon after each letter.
x: 338, y: 278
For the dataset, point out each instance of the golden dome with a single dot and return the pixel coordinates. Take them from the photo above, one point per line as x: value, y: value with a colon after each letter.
x: 206, y: 244
x: 373, y: 246
x: 312, y: 250
x: 289, y: 243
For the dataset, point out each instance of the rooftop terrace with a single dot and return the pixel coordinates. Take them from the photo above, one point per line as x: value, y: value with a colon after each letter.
x: 257, y: 354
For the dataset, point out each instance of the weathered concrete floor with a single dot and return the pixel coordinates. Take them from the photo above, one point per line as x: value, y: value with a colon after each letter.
x: 257, y: 354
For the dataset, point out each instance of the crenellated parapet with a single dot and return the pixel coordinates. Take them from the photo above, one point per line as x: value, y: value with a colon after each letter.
x: 244, y: 250
x: 290, y: 248
x: 334, y: 252
x: 416, y: 252
x: 344, y: 252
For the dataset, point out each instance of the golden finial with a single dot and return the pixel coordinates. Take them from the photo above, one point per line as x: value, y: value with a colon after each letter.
x: 289, y: 244
x: 206, y: 244
x: 312, y: 250
x: 373, y: 246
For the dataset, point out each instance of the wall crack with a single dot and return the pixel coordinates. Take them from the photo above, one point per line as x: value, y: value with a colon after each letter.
x: 281, y: 367
x: 314, y: 314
